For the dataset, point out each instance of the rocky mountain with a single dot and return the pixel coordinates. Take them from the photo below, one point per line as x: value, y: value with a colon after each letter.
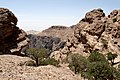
x: 61, y: 32
x: 13, y: 68
x: 12, y: 39
x: 94, y: 32
x: 53, y: 38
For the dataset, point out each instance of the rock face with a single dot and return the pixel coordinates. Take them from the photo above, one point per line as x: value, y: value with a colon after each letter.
x: 12, y: 39
x: 12, y: 68
x: 48, y: 42
x: 94, y: 32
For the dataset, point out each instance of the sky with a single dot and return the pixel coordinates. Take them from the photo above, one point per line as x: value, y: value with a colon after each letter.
x: 41, y: 14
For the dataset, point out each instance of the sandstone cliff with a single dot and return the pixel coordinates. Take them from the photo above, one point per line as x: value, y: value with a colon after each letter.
x: 94, y: 32
x: 12, y: 39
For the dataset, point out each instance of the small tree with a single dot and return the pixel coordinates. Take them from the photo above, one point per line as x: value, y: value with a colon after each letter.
x: 100, y: 69
x: 77, y: 63
x: 111, y: 57
x: 96, y: 56
x: 95, y: 67
x: 119, y: 67
x: 37, y: 54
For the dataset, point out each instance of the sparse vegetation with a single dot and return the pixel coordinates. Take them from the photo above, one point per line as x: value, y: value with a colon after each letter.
x: 49, y: 61
x: 30, y: 63
x: 41, y: 57
x: 37, y: 54
x: 105, y: 43
x: 95, y: 67
x: 114, y: 20
x: 77, y: 63
x: 111, y: 57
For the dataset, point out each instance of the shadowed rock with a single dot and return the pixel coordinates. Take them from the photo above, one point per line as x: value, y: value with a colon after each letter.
x: 12, y: 39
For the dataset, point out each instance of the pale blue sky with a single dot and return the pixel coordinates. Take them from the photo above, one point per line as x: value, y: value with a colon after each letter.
x: 41, y: 14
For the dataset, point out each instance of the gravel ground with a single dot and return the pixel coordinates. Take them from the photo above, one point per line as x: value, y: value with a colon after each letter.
x: 11, y: 70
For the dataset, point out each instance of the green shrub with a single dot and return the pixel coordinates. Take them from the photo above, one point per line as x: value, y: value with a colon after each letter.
x: 100, y: 70
x: 49, y: 61
x: 77, y: 63
x: 114, y: 20
x: 30, y: 63
x: 41, y: 57
x: 37, y: 54
x: 95, y: 67
x: 119, y: 67
x: 111, y: 57
x: 99, y: 67
x: 96, y: 56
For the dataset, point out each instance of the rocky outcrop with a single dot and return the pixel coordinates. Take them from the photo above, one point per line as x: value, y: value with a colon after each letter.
x: 13, y: 68
x: 94, y: 32
x: 12, y: 39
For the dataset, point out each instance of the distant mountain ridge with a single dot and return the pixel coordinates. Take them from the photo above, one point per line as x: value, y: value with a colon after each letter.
x: 32, y: 32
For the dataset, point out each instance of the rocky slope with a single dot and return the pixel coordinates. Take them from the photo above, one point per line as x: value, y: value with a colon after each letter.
x: 13, y: 68
x: 94, y: 32
x: 61, y: 32
x: 12, y: 39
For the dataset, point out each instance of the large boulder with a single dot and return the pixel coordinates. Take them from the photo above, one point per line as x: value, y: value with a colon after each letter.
x: 12, y: 39
x: 98, y: 32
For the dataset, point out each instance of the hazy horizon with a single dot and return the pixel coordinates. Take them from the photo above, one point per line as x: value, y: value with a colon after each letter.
x: 41, y: 14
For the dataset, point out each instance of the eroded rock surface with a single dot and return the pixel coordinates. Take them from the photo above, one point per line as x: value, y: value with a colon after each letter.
x: 12, y: 39
x: 94, y: 32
